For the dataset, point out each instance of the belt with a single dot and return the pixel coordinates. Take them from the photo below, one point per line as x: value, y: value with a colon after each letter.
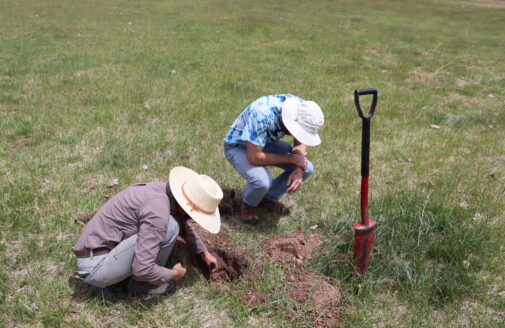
x: 94, y: 252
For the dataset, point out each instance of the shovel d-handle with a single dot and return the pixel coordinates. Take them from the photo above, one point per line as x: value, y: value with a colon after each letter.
x: 365, y: 132
x: 362, y: 92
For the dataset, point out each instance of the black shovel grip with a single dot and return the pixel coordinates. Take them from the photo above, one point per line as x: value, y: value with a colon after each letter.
x: 361, y: 92
x: 365, y: 131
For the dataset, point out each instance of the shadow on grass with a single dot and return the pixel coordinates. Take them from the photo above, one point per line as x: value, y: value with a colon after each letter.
x: 423, y: 249
x: 230, y: 210
x: 268, y: 223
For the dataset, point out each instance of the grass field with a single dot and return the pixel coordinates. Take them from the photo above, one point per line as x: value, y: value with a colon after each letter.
x: 92, y: 91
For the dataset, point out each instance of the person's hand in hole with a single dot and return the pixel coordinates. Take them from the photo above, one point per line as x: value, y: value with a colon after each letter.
x: 210, y: 260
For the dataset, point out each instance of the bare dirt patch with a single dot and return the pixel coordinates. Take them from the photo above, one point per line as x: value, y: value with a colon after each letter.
x: 418, y: 75
x: 454, y: 97
x: 22, y: 140
x: 321, y: 294
x: 292, y: 249
x: 461, y: 82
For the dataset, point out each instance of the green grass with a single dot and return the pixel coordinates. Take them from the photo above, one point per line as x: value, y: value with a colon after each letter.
x: 103, y: 88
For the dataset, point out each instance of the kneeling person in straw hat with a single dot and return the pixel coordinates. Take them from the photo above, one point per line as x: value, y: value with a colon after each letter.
x: 133, y: 234
x: 252, y: 143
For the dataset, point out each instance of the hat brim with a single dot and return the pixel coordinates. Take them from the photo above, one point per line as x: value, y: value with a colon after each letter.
x: 177, y: 177
x: 289, y: 119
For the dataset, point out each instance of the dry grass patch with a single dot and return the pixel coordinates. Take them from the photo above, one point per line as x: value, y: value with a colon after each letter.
x: 470, y: 101
x: 418, y: 75
x: 488, y: 4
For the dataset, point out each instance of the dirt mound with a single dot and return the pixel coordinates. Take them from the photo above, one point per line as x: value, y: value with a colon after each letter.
x: 322, y: 295
x: 293, y: 248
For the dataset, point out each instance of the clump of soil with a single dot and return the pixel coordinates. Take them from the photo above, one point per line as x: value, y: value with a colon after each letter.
x: 231, y: 263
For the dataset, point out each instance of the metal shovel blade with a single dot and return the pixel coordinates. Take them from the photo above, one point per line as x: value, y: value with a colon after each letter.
x: 363, y: 243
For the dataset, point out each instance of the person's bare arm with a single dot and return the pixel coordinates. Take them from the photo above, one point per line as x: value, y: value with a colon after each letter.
x: 256, y: 156
x: 299, y: 148
x: 295, y: 179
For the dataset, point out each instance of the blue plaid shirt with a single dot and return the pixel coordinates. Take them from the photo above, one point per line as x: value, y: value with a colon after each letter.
x: 261, y: 122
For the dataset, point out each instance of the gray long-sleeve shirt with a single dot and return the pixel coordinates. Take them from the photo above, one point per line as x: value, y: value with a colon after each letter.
x: 142, y: 208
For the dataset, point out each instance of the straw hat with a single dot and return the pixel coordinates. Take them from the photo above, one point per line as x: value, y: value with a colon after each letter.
x: 302, y: 119
x: 199, y: 195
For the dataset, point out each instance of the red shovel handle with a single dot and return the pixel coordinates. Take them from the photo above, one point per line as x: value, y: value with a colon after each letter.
x: 364, y: 201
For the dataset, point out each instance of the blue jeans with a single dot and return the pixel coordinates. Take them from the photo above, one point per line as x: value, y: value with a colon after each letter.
x: 260, y: 183
x: 108, y: 269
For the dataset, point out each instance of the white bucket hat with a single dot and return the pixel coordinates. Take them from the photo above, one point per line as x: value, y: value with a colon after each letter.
x: 198, y: 195
x: 302, y: 119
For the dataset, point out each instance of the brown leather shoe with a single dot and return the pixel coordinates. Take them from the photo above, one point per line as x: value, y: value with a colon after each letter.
x: 249, y: 214
x: 275, y: 206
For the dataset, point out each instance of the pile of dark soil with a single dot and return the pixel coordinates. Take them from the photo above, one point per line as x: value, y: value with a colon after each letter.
x: 231, y: 263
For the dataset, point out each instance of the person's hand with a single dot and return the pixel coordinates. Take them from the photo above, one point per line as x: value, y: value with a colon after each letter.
x: 178, y: 271
x: 295, y: 180
x: 300, y: 161
x: 210, y: 260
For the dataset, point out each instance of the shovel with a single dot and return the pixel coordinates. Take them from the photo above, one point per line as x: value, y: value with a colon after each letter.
x: 364, y: 231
